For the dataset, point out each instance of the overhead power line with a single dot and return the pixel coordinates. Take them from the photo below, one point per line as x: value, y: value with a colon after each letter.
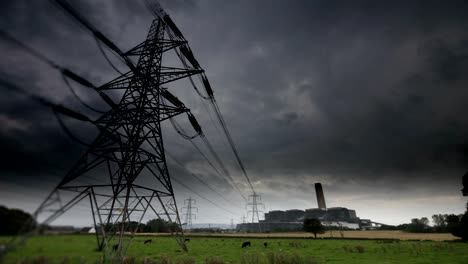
x: 220, y: 117
x: 177, y: 162
x: 123, y: 131
x: 203, y: 197
x: 156, y: 9
x: 231, y: 181
x: 66, y: 73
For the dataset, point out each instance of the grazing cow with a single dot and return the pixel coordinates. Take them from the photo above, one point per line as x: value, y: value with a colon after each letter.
x: 245, y: 244
x: 265, y: 244
x: 187, y: 240
x: 148, y: 241
x: 115, y: 247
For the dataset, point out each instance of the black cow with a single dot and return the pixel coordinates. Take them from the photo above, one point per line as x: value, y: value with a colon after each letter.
x: 265, y: 244
x: 115, y: 247
x: 148, y: 241
x: 245, y: 244
x: 187, y: 240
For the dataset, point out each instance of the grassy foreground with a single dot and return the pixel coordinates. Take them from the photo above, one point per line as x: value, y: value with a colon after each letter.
x: 362, y: 234
x: 81, y: 249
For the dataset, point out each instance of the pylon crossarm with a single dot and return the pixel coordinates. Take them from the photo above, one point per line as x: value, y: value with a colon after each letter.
x: 167, y: 44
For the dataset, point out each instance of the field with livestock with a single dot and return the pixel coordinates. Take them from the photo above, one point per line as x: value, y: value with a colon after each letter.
x: 366, y: 247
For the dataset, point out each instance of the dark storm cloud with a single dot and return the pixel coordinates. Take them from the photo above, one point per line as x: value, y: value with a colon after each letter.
x: 366, y: 97
x: 365, y: 70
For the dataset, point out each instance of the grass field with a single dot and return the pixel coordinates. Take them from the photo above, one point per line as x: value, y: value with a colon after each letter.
x: 81, y: 249
x: 375, y: 234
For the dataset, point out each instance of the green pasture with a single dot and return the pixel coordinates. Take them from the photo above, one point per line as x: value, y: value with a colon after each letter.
x: 82, y: 249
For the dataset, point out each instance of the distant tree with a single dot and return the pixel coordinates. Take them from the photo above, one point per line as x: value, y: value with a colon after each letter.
x: 453, y: 224
x: 134, y: 226
x: 403, y: 227
x: 424, y: 221
x: 141, y: 228
x: 458, y: 225
x: 161, y: 226
x: 313, y: 226
x: 174, y: 227
x: 390, y: 227
x: 452, y: 219
x: 15, y: 221
x: 440, y: 225
x: 156, y: 226
x: 418, y: 225
x: 464, y: 227
x: 130, y: 227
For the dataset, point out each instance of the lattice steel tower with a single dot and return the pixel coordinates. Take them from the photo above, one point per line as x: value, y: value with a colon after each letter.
x: 128, y: 153
x: 254, y: 211
x: 188, y: 212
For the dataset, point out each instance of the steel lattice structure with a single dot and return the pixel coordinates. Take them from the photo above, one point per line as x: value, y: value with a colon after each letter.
x: 129, y: 145
x: 188, y: 212
x: 128, y: 154
x: 254, y: 211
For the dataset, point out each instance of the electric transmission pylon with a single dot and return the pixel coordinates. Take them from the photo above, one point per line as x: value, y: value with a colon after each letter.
x: 188, y: 212
x: 254, y: 211
x: 243, y: 219
x: 128, y: 154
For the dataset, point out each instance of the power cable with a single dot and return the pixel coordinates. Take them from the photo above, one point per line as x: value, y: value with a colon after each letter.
x: 98, y: 43
x: 230, y: 181
x: 55, y: 107
x: 68, y: 9
x: 177, y: 162
x: 64, y: 71
x: 213, y: 123
x: 68, y: 132
x: 221, y: 164
x: 182, y: 133
x: 156, y: 9
x: 180, y: 130
x: 78, y: 97
x: 203, y: 197
x: 231, y: 142
x: 184, y: 62
x: 221, y: 120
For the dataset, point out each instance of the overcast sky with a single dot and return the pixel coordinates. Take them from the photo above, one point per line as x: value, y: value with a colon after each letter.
x: 367, y: 98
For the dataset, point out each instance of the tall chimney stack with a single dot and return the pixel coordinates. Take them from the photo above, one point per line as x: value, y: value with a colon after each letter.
x: 320, y: 196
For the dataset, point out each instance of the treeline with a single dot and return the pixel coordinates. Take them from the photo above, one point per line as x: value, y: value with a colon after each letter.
x: 152, y: 226
x: 447, y: 223
x: 16, y: 221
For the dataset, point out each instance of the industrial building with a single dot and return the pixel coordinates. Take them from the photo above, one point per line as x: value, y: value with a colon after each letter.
x: 292, y: 220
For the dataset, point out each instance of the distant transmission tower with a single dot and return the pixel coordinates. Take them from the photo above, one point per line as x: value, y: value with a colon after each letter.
x: 243, y: 219
x: 254, y: 209
x: 188, y: 212
x: 128, y: 155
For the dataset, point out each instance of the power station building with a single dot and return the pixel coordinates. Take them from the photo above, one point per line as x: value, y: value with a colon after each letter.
x: 292, y: 220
